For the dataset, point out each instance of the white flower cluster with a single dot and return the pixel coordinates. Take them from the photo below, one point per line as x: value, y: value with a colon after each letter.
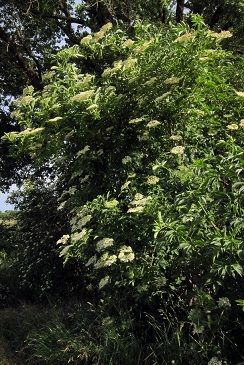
x: 222, y: 35
x: 185, y: 37
x: 136, y: 120
x: 92, y: 260
x: 120, y: 65
x: 176, y: 137
x: 126, y: 254
x: 56, y: 119
x: 215, y: 361
x: 172, y: 80
x: 178, y: 150
x: 86, y: 39
x: 152, y: 180
x: 105, y: 260
x: 104, y: 281
x: 232, y: 127
x: 141, y: 48
x: 224, y: 302
x: 128, y: 43
x: 26, y: 100
x: 138, y: 203
x: 111, y: 204
x: 104, y: 243
x: 63, y: 240
x: 101, y: 33
x: 83, y: 221
x: 125, y: 185
x: 129, y: 63
x: 126, y: 159
x: 153, y: 124
x: 106, y: 27
x: 84, y: 95
x: 30, y: 131
x: 83, y: 151
x: 135, y: 210
x: 240, y: 93
x: 79, y: 236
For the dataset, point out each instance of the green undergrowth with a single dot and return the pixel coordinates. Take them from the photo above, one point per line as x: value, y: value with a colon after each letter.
x: 75, y: 333
x: 66, y: 334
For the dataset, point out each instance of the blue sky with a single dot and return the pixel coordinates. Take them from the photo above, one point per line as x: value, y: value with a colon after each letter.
x: 3, y: 204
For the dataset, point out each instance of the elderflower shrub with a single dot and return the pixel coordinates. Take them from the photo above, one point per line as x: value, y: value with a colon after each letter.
x: 155, y: 205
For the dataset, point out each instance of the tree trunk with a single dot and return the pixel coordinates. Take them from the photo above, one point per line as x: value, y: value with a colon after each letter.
x: 180, y: 10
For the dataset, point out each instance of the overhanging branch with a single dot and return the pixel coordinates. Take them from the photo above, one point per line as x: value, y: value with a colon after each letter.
x: 20, y: 60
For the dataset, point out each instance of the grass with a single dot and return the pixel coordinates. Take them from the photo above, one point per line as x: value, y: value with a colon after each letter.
x: 69, y: 333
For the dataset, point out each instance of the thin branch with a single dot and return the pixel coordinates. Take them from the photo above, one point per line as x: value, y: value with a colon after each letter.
x: 20, y: 60
x: 69, y: 32
x: 59, y: 17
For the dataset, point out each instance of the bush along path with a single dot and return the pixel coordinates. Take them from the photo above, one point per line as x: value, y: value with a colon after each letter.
x: 144, y: 136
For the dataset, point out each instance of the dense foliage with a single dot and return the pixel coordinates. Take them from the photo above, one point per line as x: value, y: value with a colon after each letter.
x: 32, y: 31
x: 142, y: 139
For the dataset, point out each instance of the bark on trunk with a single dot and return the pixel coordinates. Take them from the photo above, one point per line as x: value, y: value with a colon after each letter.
x: 180, y: 10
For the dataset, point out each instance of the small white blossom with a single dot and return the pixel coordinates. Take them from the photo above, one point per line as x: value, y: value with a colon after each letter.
x: 78, y: 236
x: 136, y: 120
x: 143, y: 47
x: 222, y: 35
x: 117, y: 65
x: 172, y: 80
x: 152, y: 180
x: 240, y: 93
x: 63, y: 240
x: 91, y: 261
x: 84, y: 95
x: 232, y: 127
x: 214, y: 361
x: 184, y: 38
x: 104, y: 281
x: 110, y: 204
x: 176, y: 137
x: 126, y: 254
x: 104, y: 243
x: 83, y: 151
x: 84, y: 220
x: 86, y: 39
x: 125, y: 185
x: 178, y: 150
x: 128, y: 43
x: 99, y: 35
x: 107, y: 72
x: 241, y: 124
x: 106, y: 27
x: 105, y: 261
x: 30, y: 131
x: 56, y: 119
x: 26, y: 100
x: 135, y: 210
x: 153, y: 124
x: 126, y: 159
x: 224, y: 302
x: 129, y: 63
x: 138, y: 196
